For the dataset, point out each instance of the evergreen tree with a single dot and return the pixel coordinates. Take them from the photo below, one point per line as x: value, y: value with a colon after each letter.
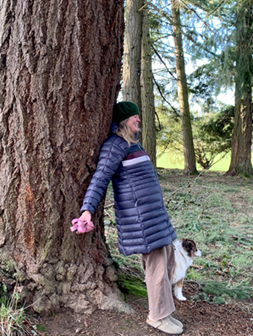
x: 242, y: 133
x: 189, y: 154
x: 232, y: 67
x: 60, y: 74
x: 132, y: 53
x: 147, y: 94
x: 220, y: 34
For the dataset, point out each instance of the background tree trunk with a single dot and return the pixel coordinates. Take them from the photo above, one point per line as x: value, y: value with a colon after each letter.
x: 189, y: 154
x: 59, y: 76
x: 242, y: 132
x: 147, y: 94
x: 241, y: 138
x: 132, y: 53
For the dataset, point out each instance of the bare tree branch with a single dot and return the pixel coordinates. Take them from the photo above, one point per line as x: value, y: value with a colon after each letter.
x: 188, y: 36
x: 158, y: 120
x: 160, y: 91
x: 162, y: 61
x: 193, y: 10
x: 215, y: 9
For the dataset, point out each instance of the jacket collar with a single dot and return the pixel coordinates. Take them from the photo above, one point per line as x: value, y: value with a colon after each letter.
x: 113, y: 128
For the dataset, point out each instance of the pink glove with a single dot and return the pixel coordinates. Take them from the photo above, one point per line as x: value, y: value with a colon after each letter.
x: 81, y: 226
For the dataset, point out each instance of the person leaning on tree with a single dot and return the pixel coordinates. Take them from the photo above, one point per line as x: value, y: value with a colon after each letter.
x: 143, y: 224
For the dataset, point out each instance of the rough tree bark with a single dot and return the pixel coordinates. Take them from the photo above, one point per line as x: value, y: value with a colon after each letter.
x: 242, y: 136
x: 59, y: 75
x: 132, y: 53
x: 189, y: 153
x: 242, y: 133
x: 147, y: 94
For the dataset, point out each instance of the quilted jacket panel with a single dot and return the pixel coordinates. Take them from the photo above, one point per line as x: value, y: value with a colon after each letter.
x: 143, y: 224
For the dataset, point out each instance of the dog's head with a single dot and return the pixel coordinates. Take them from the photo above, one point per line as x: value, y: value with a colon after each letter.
x: 191, y: 248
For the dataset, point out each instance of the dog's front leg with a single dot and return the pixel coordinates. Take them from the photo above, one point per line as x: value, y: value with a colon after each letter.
x: 178, y: 290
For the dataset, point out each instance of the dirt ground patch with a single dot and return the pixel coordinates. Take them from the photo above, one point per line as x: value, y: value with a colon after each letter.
x: 199, y: 318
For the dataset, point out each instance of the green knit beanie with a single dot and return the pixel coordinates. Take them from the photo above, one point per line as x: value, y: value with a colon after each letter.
x: 124, y: 110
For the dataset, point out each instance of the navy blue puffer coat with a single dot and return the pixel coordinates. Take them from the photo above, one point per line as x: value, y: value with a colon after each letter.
x: 143, y: 224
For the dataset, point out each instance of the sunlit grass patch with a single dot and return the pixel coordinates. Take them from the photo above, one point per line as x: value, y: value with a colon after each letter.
x: 250, y: 200
x: 243, y: 262
x: 217, y: 200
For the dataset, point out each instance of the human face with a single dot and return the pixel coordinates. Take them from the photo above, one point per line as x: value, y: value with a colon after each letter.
x: 132, y: 123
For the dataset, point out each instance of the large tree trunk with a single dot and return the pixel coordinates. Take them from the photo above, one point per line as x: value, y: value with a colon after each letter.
x: 147, y: 94
x: 242, y: 137
x: 189, y: 154
x: 242, y: 132
x: 59, y: 76
x: 132, y: 53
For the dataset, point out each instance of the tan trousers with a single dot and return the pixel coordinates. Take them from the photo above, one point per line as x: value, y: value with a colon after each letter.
x: 158, y: 266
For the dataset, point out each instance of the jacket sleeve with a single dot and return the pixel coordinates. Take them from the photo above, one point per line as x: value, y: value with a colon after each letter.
x: 110, y: 157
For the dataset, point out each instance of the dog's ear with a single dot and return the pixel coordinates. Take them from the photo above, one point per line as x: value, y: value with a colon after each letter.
x: 189, y: 245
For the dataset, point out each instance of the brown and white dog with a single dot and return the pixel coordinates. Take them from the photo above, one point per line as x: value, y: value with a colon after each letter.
x: 185, y: 251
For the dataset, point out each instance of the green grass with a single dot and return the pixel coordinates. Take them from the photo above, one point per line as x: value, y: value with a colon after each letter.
x: 217, y: 213
x: 12, y: 317
x: 176, y: 161
x: 14, y: 320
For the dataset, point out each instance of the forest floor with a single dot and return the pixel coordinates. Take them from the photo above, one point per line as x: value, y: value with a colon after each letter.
x: 199, y: 318
x: 215, y: 211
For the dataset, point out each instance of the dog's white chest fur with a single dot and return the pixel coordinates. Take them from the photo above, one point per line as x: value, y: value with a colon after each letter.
x: 182, y: 261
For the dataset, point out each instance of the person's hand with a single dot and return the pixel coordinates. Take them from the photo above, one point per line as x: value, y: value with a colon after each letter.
x: 83, y: 223
x: 86, y: 217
